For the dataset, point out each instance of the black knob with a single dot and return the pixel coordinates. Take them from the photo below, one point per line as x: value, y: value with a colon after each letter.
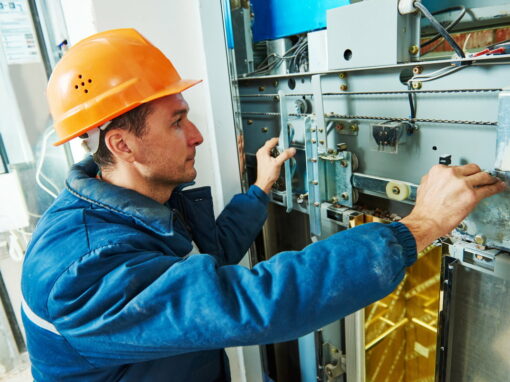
x: 445, y: 159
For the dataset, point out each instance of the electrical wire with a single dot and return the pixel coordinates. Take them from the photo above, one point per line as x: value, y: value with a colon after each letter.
x: 39, y: 174
x: 450, y: 26
x: 444, y: 33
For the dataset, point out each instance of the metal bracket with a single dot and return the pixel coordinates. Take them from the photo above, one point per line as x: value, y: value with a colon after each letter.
x: 312, y: 171
x: 285, y: 144
x: 333, y: 361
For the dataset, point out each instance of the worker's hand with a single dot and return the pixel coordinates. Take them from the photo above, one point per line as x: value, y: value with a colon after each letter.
x: 268, y: 167
x: 446, y: 195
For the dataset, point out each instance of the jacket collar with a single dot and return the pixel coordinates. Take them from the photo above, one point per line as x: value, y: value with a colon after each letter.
x: 82, y: 183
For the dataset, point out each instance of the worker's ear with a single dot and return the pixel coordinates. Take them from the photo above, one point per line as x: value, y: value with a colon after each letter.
x: 119, y: 143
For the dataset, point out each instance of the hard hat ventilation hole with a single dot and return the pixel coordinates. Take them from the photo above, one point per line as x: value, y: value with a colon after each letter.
x: 90, y: 81
x: 86, y: 91
x: 76, y: 87
x: 80, y: 76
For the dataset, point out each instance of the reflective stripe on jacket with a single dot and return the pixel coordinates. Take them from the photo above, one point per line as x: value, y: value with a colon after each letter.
x: 107, y: 268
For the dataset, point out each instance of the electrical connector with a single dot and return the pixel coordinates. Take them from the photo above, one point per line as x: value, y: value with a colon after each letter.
x: 406, y: 7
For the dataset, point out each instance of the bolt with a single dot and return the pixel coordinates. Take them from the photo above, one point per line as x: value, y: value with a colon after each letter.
x: 331, y: 151
x: 314, y: 140
x: 339, y: 126
x: 417, y: 85
x: 317, y: 204
x: 462, y: 227
x: 413, y: 49
x: 321, y: 130
x: 343, y: 87
x: 265, y: 129
x: 321, y: 142
x: 262, y: 88
x: 250, y: 122
x: 342, y: 75
x: 354, y: 127
x: 345, y: 196
x: 315, y: 182
x: 395, y: 190
x: 480, y: 239
x: 276, y: 98
x: 313, y: 129
x: 275, y: 83
x: 418, y: 69
x: 344, y: 163
x: 342, y: 146
x: 313, y: 160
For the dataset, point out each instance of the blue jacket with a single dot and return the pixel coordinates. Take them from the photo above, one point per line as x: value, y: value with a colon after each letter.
x: 111, y: 294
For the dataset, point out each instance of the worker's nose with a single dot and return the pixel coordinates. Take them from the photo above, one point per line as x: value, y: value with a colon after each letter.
x: 194, y: 136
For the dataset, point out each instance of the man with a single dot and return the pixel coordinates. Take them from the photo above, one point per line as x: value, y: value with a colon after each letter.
x: 130, y: 278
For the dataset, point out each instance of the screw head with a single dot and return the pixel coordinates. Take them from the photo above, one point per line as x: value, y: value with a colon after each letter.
x: 314, y: 140
x: 480, y: 239
x: 262, y: 88
x: 321, y: 142
x: 354, y: 127
x: 395, y: 190
x: 313, y: 160
x: 275, y: 83
x: 276, y: 98
x: 265, y: 129
x: 342, y: 146
x: 462, y: 227
x: 344, y: 163
x: 317, y: 204
x: 414, y: 49
x: 249, y: 122
x: 343, y: 87
x: 345, y: 196
x: 315, y: 182
x: 339, y: 126
x: 417, y: 85
x: 418, y: 69
x: 342, y: 75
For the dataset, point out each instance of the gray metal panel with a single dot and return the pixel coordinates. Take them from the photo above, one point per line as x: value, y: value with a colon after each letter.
x: 480, y: 330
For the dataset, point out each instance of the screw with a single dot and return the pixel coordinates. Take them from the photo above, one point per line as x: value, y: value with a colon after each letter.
x: 262, y: 88
x: 413, y: 49
x: 317, y: 204
x: 275, y: 83
x: 480, y: 239
x: 313, y: 160
x: 342, y: 75
x: 276, y: 98
x: 345, y: 196
x: 339, y: 126
x: 265, y: 129
x: 314, y: 140
x: 321, y: 130
x: 343, y: 87
x: 417, y: 85
x: 395, y: 190
x: 331, y: 151
x: 462, y: 227
x: 321, y: 142
x: 250, y: 122
x: 342, y: 146
x: 315, y: 182
x: 354, y: 127
x: 418, y: 69
x: 313, y: 129
x: 344, y: 163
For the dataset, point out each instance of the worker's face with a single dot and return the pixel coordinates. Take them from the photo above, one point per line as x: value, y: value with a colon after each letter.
x: 165, y: 153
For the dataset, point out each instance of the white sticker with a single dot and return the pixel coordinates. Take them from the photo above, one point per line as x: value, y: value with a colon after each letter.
x: 17, y: 33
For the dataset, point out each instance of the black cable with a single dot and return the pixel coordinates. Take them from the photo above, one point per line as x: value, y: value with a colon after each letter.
x: 412, y: 104
x: 450, y: 26
x: 425, y: 12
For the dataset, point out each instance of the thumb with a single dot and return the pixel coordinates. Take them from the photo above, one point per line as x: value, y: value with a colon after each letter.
x: 287, y: 154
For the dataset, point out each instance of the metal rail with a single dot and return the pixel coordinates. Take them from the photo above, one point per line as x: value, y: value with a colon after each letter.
x: 382, y: 92
x: 354, y: 117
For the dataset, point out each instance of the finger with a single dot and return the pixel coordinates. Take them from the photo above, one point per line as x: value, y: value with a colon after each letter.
x: 492, y: 189
x: 287, y: 154
x: 468, y: 169
x: 269, y: 145
x: 481, y: 179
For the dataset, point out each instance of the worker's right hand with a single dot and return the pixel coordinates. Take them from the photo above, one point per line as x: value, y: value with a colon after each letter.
x: 268, y: 167
x: 446, y: 195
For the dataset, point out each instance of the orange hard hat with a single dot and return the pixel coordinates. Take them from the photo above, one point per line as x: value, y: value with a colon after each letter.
x: 106, y: 75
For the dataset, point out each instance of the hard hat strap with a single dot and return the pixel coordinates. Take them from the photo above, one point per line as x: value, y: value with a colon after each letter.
x: 91, y: 143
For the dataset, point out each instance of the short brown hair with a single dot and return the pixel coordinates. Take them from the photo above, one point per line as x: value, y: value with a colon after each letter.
x: 134, y: 121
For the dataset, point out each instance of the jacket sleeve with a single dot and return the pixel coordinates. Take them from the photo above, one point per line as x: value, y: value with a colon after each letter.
x: 137, y: 306
x: 240, y: 222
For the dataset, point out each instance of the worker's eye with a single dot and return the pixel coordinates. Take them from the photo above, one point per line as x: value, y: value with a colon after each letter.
x: 177, y: 123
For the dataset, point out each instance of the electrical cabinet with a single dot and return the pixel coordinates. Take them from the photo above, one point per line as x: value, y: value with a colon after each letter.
x: 366, y: 129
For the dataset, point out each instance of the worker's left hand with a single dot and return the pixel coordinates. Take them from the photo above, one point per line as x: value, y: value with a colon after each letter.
x: 268, y: 167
